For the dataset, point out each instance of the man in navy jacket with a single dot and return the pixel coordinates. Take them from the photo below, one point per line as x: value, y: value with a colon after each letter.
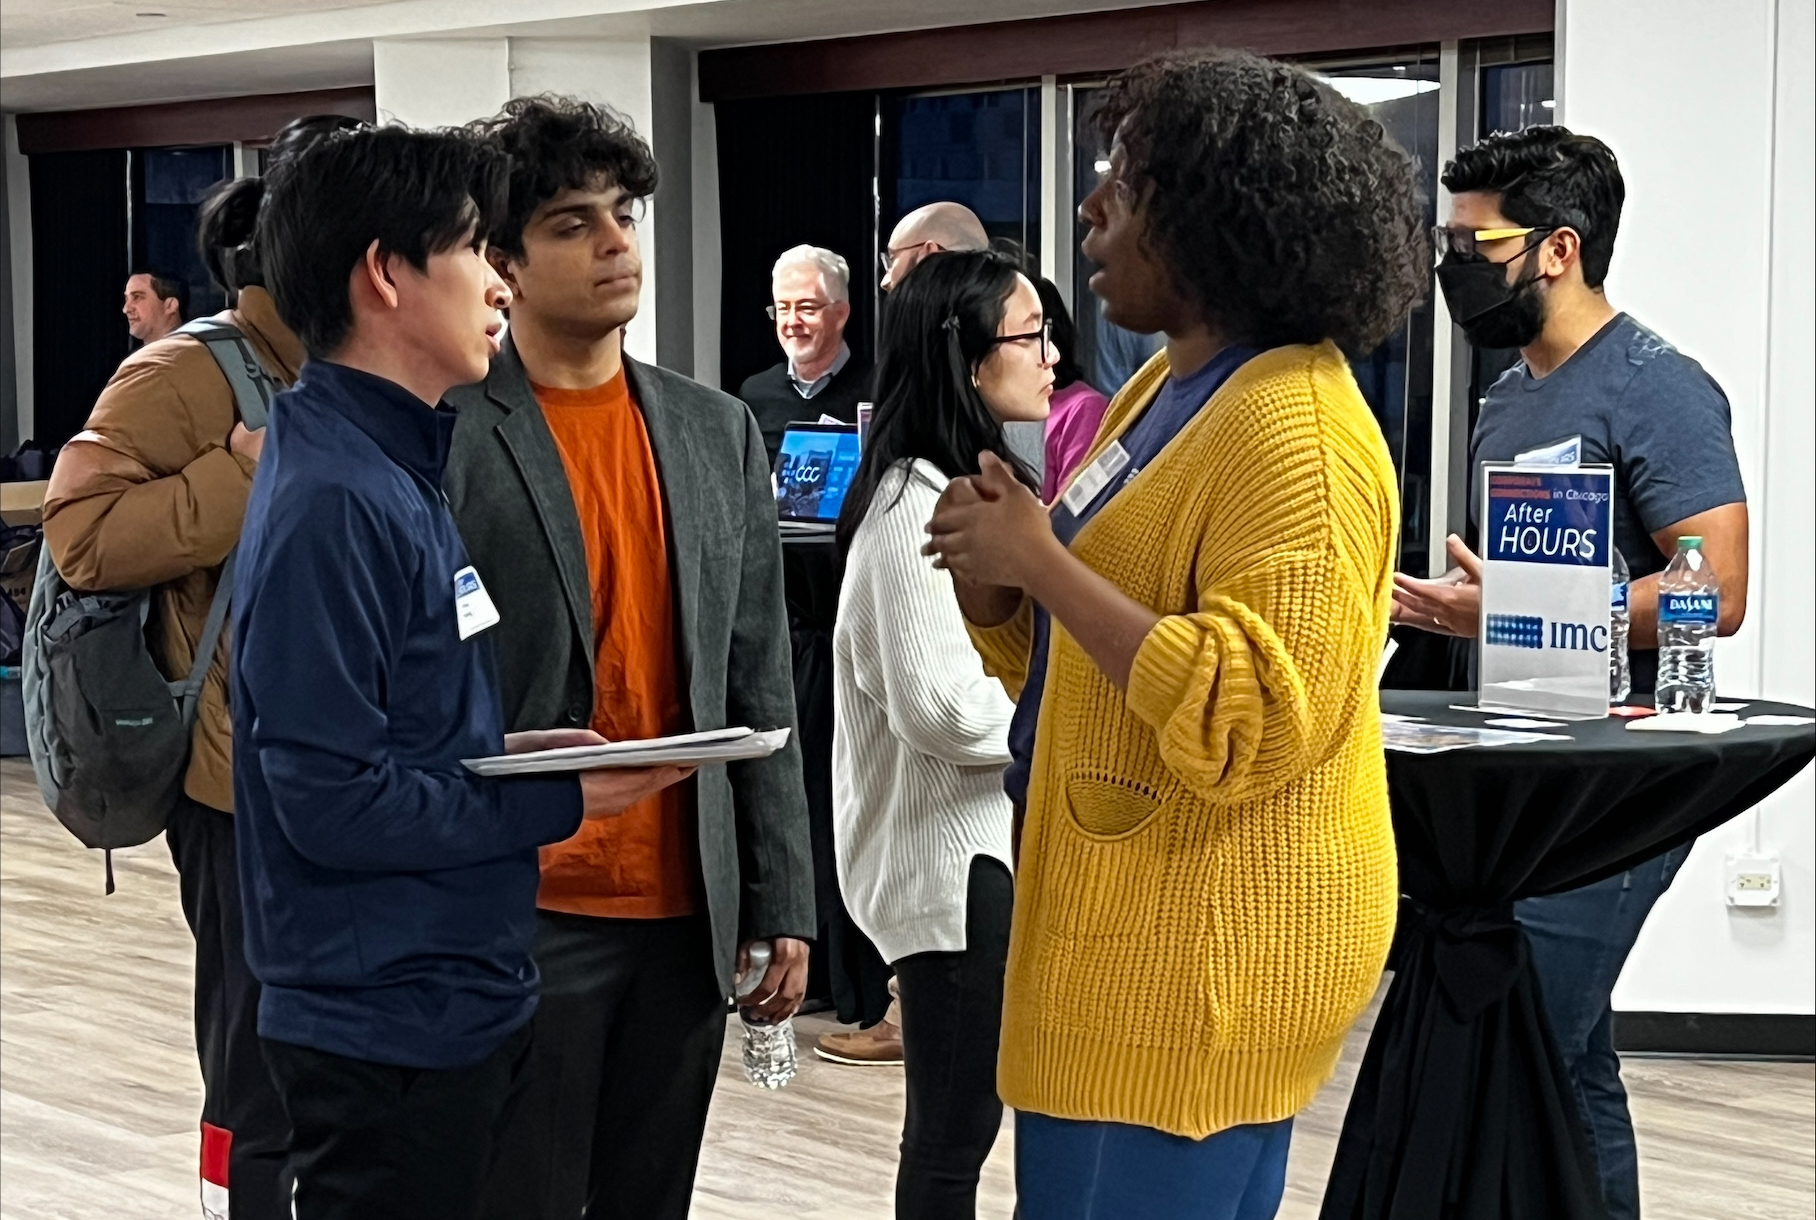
x: 390, y: 893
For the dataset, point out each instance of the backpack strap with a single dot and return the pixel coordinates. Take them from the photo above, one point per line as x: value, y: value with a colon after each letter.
x: 189, y: 690
x: 253, y: 388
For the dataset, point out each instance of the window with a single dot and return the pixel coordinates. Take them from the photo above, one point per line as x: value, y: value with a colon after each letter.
x: 979, y: 149
x: 168, y: 186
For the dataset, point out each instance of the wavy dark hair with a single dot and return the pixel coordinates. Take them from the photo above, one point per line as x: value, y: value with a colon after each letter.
x: 937, y: 328
x: 1282, y: 210
x: 1550, y: 176
x: 558, y: 144
x: 228, y: 218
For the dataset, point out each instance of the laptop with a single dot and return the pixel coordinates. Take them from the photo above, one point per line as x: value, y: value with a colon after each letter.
x: 814, y: 470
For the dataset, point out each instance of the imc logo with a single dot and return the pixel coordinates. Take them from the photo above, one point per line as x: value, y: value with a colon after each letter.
x: 1529, y: 631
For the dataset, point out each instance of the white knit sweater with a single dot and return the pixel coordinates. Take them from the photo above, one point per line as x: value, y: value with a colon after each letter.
x: 920, y: 733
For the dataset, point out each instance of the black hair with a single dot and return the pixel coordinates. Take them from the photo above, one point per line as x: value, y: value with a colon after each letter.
x: 416, y: 193
x: 557, y: 144
x: 1065, y: 334
x: 937, y: 327
x: 228, y: 218
x: 1550, y: 176
x: 1282, y: 210
x: 168, y: 287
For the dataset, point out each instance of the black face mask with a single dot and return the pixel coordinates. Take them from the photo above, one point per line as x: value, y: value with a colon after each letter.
x: 1492, y: 312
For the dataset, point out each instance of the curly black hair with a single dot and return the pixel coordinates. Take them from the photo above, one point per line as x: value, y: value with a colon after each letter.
x: 559, y: 143
x: 1550, y: 176
x: 1281, y: 208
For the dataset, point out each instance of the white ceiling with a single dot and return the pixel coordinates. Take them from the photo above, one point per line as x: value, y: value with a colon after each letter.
x: 32, y: 23
x: 59, y: 54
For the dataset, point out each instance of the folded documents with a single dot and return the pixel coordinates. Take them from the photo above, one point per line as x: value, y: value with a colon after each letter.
x: 687, y: 750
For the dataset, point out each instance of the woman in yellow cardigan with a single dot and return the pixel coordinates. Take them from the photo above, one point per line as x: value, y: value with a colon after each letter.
x: 1206, y: 885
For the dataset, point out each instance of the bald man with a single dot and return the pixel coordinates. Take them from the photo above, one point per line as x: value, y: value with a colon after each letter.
x: 928, y: 230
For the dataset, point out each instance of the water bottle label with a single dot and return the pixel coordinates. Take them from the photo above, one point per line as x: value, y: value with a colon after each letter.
x: 1688, y: 608
x: 1617, y: 599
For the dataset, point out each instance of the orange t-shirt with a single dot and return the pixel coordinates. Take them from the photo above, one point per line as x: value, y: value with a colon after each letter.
x: 644, y: 862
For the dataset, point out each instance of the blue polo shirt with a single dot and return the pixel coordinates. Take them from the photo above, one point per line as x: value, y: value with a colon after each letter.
x: 390, y: 894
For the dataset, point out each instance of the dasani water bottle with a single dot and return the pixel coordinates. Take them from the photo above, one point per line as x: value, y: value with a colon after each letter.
x: 1620, y: 673
x: 1689, y: 602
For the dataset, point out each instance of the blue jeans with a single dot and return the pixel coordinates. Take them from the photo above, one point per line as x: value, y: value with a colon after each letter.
x: 1580, y: 941
x: 1066, y: 1170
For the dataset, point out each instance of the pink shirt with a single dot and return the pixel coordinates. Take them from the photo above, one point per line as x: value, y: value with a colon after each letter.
x: 1074, y: 415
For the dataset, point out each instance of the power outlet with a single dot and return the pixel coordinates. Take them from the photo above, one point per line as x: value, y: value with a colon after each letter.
x: 1754, y: 878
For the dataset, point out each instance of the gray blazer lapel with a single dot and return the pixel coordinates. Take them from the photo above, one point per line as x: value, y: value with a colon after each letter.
x: 677, y: 465
x: 531, y: 445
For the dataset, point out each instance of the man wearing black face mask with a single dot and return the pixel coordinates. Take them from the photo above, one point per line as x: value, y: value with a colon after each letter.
x: 1530, y: 237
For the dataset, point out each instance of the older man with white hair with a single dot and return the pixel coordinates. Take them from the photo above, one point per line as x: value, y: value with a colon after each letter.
x: 811, y: 303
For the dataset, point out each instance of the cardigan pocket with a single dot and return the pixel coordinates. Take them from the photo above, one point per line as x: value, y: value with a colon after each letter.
x: 1109, y: 807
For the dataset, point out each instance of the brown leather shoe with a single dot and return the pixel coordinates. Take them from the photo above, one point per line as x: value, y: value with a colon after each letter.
x: 878, y: 1046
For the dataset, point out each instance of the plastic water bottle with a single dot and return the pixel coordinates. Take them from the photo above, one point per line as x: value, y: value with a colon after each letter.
x: 1620, y: 673
x: 769, y: 1049
x: 1689, y: 602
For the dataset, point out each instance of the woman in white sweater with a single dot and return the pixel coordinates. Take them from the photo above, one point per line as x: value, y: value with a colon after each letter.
x: 920, y: 734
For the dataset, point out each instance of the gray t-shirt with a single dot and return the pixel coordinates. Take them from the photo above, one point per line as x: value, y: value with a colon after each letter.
x: 1639, y: 405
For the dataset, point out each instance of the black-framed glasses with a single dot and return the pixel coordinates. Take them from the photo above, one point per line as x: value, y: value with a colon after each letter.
x: 1044, y: 334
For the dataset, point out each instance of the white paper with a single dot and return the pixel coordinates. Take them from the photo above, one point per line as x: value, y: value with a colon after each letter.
x: 1775, y: 721
x: 687, y: 750
x: 1415, y: 737
x: 1522, y: 722
x: 1685, y: 722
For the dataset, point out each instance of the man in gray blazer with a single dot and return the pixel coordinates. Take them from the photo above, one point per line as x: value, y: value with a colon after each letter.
x: 623, y: 520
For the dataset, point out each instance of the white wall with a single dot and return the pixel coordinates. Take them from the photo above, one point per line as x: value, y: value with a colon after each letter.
x: 616, y: 72
x: 708, y: 259
x: 19, y: 239
x: 1708, y: 107
x: 436, y: 82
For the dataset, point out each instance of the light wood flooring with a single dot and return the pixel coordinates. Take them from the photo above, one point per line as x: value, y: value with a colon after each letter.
x: 99, y: 1092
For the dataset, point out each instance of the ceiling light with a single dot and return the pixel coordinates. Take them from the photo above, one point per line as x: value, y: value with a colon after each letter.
x: 1101, y: 166
x: 1549, y: 103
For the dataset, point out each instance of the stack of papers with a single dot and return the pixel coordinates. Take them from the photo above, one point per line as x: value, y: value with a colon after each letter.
x: 687, y: 750
x: 1418, y: 737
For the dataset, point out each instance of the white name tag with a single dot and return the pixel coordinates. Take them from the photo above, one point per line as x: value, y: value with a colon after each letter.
x: 1094, y: 478
x: 1559, y: 453
x: 473, y: 608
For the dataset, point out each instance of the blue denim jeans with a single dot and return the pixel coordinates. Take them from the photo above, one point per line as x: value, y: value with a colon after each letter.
x: 1580, y: 941
x: 1071, y: 1170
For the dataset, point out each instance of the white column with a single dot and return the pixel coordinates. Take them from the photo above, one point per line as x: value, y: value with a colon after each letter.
x: 613, y: 72
x: 439, y: 82
x: 1708, y: 109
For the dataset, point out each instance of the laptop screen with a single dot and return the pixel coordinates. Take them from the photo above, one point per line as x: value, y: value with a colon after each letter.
x: 814, y: 470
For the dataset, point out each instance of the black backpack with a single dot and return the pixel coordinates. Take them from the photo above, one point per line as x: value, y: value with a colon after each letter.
x: 109, y: 734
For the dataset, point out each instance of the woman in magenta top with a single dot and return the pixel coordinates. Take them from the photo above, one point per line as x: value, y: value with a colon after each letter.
x: 1077, y: 407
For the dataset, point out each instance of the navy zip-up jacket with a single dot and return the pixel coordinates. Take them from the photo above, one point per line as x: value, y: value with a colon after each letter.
x: 390, y: 894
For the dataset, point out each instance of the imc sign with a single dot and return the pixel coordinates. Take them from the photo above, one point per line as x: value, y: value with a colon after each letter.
x: 1545, y: 537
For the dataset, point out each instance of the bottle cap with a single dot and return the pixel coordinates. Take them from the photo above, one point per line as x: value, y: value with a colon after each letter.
x: 1685, y: 540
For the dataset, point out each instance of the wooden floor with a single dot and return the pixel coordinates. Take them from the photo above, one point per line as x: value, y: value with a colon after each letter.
x: 99, y: 1092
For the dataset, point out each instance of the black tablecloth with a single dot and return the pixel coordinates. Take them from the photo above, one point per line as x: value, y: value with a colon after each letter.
x: 1462, y: 1109
x: 844, y: 969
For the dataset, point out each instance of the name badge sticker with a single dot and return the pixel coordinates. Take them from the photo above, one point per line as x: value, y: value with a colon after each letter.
x: 1094, y: 478
x: 473, y: 608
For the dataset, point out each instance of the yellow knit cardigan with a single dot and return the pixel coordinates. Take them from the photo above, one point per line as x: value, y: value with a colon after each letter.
x: 1206, y: 887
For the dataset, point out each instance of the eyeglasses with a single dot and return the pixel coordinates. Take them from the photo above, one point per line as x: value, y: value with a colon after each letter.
x: 1466, y: 243
x: 805, y: 311
x: 887, y: 257
x: 1044, y: 334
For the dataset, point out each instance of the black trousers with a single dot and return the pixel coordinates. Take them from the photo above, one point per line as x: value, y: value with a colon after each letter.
x: 952, y: 1011
x: 238, y: 1096
x: 629, y: 1034
x: 375, y: 1142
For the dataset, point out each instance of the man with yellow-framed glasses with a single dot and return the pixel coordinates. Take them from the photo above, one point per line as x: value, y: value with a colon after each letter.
x: 1522, y: 260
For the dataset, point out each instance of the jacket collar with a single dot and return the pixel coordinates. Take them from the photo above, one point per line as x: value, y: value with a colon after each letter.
x: 255, y: 313
x: 411, y: 433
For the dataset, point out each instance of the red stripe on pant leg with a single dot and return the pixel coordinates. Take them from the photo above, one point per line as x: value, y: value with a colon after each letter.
x: 217, y: 1145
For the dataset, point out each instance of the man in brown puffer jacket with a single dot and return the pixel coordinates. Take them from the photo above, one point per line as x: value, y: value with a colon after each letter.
x: 151, y: 493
